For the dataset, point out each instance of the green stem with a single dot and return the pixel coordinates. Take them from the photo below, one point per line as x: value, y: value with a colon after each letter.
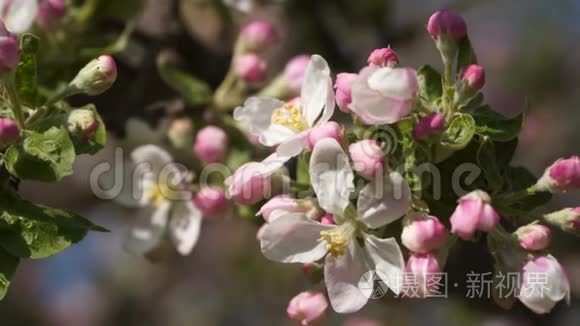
x: 16, y: 106
x: 518, y: 195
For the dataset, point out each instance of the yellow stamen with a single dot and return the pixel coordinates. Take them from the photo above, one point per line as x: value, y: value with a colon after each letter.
x: 156, y: 195
x: 336, y: 242
x: 290, y: 115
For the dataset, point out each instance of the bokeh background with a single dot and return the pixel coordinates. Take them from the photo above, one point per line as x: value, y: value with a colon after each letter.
x: 529, y: 48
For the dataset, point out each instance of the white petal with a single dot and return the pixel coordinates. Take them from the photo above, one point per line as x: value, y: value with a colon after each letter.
x: 550, y: 285
x: 185, y: 226
x: 271, y: 164
x: 342, y: 275
x: 387, y: 259
x: 293, y: 146
x: 317, y: 93
x: 20, y: 15
x: 256, y: 114
x: 384, y: 200
x: 151, y: 156
x: 331, y: 176
x: 293, y: 238
x: 149, y: 231
x: 396, y: 83
x: 373, y: 107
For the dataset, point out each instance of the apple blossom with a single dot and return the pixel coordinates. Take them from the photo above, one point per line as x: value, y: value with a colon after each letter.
x: 563, y: 175
x: 384, y: 57
x: 447, y: 23
x: 423, y: 233
x: 287, y: 125
x: 422, y: 267
x: 212, y: 202
x: 165, y: 197
x: 428, y: 126
x: 211, y: 144
x: 84, y: 123
x: 96, y: 77
x: 534, y: 236
x: 343, y: 86
x: 9, y: 132
x: 329, y: 129
x: 18, y: 15
x: 251, y: 68
x: 9, y: 51
x: 294, y: 238
x: 384, y: 95
x: 368, y: 158
x: 474, y: 213
x: 258, y: 36
x: 50, y: 12
x: 541, y: 296
x: 308, y: 308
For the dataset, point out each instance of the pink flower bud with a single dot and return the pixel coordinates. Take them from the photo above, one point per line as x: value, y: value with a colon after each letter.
x: 534, y: 236
x: 423, y: 234
x: 50, y: 13
x: 449, y: 23
x: 423, y: 268
x: 9, y: 132
x: 429, y: 126
x: 294, y: 72
x: 327, y: 219
x: 324, y: 130
x: 83, y: 123
x: 258, y: 36
x: 368, y: 158
x: 563, y: 175
x: 473, y: 213
x: 343, y: 86
x: 97, y: 76
x: 211, y: 201
x: 9, y: 50
x: 474, y: 77
x: 249, y: 184
x: 280, y: 205
x: 567, y: 219
x: 308, y: 308
x: 211, y: 145
x: 384, y: 57
x: 251, y: 68
x: 544, y: 284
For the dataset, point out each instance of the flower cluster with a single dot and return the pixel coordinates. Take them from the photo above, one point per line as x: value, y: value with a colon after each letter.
x: 390, y: 161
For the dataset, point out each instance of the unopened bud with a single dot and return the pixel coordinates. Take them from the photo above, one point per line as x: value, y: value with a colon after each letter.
x: 567, y: 219
x: 9, y: 132
x: 251, y: 68
x: 96, y: 77
x: 83, y: 123
x: 384, y: 57
x: 445, y: 22
x: 563, y: 175
x: 534, y: 236
x: 211, y: 144
x: 9, y: 50
x: 50, y: 13
x: 180, y: 133
x: 258, y: 36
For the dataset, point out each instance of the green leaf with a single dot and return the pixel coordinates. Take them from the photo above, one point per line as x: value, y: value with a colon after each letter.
x: 459, y: 133
x: 47, y: 156
x: 8, y: 265
x: 196, y: 92
x: 34, y: 231
x: 26, y: 73
x: 466, y: 55
x: 495, y: 126
x: 430, y: 86
x: 486, y: 159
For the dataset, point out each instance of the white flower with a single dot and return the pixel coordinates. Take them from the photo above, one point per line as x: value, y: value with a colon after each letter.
x: 18, y: 15
x: 348, y: 249
x: 162, y: 192
x: 384, y: 95
x: 544, y: 284
x: 286, y: 125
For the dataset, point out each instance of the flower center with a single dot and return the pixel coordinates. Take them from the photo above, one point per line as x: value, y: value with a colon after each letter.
x: 290, y: 115
x: 156, y: 195
x: 337, y: 239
